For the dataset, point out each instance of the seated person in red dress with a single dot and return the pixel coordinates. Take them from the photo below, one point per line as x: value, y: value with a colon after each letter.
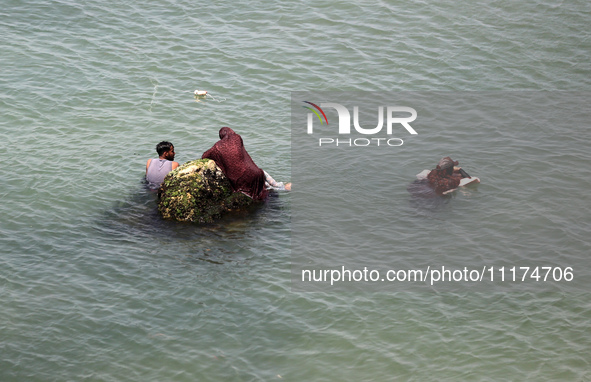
x: 231, y: 157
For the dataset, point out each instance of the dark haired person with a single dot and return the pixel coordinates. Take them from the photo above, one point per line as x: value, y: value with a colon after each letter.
x: 157, y: 169
x: 445, y: 176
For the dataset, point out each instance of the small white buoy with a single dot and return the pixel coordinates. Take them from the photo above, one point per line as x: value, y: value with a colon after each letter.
x: 200, y: 92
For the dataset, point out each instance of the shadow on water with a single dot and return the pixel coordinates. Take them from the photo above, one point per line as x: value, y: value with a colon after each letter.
x: 136, y: 218
x: 424, y: 200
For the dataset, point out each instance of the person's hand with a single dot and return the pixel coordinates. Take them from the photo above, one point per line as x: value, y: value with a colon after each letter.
x: 288, y: 186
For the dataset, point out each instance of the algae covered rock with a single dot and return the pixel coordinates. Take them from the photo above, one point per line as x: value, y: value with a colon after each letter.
x: 198, y: 191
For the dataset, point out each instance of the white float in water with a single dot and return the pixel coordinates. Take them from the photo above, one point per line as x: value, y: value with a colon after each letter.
x: 463, y: 182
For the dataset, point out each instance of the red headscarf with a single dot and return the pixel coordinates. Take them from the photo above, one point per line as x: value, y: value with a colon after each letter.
x: 231, y: 157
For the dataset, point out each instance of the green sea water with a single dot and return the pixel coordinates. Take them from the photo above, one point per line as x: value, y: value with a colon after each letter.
x: 95, y: 286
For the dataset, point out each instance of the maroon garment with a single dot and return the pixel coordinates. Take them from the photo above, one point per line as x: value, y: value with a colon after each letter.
x: 231, y: 157
x: 442, y: 181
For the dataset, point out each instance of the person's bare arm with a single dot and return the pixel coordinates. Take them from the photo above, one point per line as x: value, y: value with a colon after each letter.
x: 148, y: 165
x: 174, y: 165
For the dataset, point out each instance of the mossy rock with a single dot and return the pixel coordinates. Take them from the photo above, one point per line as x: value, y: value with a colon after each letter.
x: 198, y: 191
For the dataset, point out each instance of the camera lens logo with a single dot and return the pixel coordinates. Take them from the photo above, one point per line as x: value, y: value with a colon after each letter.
x: 315, y: 112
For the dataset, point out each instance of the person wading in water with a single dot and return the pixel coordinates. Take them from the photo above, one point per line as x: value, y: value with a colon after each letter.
x: 157, y: 169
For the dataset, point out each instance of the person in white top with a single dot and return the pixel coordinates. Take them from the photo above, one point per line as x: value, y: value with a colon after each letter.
x: 157, y: 169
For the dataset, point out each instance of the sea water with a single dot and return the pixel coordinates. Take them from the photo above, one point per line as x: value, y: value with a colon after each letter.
x: 95, y: 286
